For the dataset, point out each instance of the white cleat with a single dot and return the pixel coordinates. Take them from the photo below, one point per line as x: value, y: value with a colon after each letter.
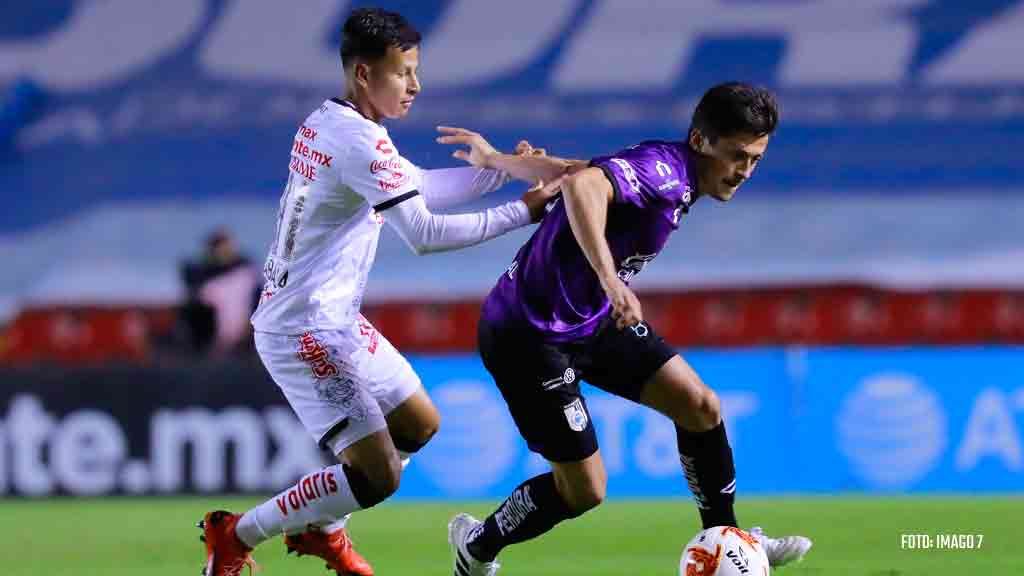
x: 463, y: 563
x: 782, y: 551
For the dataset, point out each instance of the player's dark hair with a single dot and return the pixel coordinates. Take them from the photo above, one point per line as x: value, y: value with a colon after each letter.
x: 369, y: 32
x: 735, y: 108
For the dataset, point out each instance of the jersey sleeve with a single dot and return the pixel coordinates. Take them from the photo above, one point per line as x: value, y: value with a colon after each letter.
x: 375, y: 170
x: 446, y: 187
x: 639, y: 175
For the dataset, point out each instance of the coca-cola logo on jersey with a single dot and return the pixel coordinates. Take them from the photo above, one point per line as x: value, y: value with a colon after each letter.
x: 393, y: 165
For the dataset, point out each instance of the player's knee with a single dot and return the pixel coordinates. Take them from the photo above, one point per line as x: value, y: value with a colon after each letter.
x: 703, y: 410
x: 585, y: 496
x: 413, y: 441
x: 427, y: 432
x: 373, y: 482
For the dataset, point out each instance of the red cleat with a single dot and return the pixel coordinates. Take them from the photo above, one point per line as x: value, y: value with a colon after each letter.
x: 226, y: 555
x: 336, y: 548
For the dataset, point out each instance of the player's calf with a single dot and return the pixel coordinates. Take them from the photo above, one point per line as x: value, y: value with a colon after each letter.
x: 373, y: 485
x: 582, y: 485
x: 704, y: 452
x: 533, y: 508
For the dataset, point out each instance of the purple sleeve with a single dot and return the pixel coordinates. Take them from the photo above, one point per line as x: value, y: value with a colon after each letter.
x: 636, y: 174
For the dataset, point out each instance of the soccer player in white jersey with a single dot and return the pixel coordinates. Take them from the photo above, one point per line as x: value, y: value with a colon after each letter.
x: 348, y: 385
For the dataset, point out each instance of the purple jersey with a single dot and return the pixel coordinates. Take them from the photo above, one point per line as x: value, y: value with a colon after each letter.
x: 551, y: 288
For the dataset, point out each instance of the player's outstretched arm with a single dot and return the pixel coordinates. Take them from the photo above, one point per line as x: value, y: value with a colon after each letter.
x: 425, y: 232
x: 587, y: 195
x: 447, y: 187
x: 532, y: 168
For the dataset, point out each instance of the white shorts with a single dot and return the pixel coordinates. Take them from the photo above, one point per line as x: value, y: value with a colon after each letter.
x: 341, y: 383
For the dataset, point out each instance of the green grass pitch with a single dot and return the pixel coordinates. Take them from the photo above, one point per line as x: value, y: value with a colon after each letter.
x: 856, y: 536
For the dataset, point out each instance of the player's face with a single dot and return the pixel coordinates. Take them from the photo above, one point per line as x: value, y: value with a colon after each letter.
x: 392, y: 84
x: 728, y: 163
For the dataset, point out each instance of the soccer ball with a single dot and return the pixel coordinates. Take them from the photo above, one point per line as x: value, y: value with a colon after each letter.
x: 723, y: 551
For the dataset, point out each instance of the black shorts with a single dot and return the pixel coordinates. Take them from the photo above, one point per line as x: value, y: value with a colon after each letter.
x: 541, y: 382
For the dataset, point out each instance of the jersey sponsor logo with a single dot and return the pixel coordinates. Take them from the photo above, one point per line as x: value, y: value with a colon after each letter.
x: 567, y: 377
x: 628, y: 173
x: 392, y: 165
x: 384, y: 147
x: 312, y: 487
x: 677, y: 213
x: 553, y: 383
x: 663, y: 169
x: 302, y: 168
x: 307, y: 132
x: 300, y: 148
x: 576, y: 415
x: 391, y: 174
x: 313, y: 353
x: 391, y: 185
x: 673, y: 183
x: 366, y: 330
x: 511, y: 270
x: 633, y: 265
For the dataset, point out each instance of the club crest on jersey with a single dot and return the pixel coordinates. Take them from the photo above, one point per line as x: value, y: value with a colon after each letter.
x: 342, y: 392
x: 576, y: 415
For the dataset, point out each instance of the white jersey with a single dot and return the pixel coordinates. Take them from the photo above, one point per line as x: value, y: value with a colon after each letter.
x: 344, y: 173
x: 342, y: 167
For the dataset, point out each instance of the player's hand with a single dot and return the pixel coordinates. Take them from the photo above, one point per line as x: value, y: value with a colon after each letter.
x: 480, y: 150
x: 537, y: 198
x: 524, y: 148
x: 625, y: 306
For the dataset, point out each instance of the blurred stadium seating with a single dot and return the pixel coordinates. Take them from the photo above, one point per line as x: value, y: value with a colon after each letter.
x: 896, y: 168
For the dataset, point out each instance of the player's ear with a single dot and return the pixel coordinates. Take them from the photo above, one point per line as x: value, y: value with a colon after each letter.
x: 361, y: 74
x: 699, y: 142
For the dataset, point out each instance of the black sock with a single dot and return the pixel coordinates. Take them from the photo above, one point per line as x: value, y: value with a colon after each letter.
x: 533, y: 508
x: 707, y: 462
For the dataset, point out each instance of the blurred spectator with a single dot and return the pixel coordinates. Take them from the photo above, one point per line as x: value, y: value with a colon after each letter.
x: 222, y: 288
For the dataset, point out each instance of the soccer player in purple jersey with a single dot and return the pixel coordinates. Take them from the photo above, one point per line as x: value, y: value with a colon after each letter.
x: 564, y: 311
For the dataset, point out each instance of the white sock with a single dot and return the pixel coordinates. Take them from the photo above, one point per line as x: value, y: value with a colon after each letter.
x: 333, y: 526
x: 320, y: 498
